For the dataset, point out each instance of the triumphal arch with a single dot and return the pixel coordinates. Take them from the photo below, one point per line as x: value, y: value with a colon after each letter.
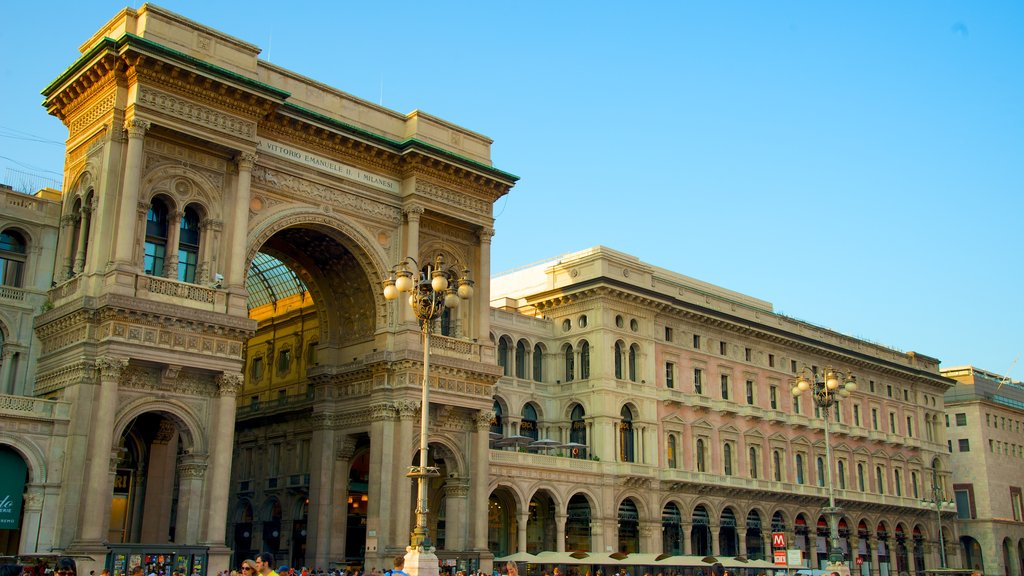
x: 194, y: 171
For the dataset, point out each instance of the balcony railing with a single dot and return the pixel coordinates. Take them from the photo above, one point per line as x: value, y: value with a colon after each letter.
x: 23, y: 406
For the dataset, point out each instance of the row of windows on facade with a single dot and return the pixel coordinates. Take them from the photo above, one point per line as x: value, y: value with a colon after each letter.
x: 991, y: 420
x: 13, y: 256
x: 670, y: 381
x: 284, y: 362
x: 777, y: 472
x: 994, y: 446
x: 276, y: 454
x: 529, y: 427
x: 626, y: 364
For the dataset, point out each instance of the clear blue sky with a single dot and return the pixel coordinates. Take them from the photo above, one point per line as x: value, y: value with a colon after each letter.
x: 858, y: 164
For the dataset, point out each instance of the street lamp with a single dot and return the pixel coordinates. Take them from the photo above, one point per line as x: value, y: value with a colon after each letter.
x: 826, y: 390
x: 435, y: 289
x: 937, y: 499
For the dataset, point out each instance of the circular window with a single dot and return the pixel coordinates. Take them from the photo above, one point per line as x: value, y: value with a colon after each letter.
x: 618, y: 321
x: 566, y: 325
x: 634, y: 325
x: 583, y: 321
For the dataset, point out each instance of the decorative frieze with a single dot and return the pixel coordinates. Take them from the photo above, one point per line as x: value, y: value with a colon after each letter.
x: 207, y: 117
x: 450, y: 197
x: 110, y: 367
x: 88, y: 117
x: 320, y: 194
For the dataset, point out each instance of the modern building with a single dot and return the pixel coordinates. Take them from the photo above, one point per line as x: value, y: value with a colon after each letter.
x: 215, y: 370
x: 985, y: 435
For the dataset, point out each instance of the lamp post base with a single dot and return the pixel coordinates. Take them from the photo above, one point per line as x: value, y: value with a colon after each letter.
x: 421, y: 561
x: 838, y: 567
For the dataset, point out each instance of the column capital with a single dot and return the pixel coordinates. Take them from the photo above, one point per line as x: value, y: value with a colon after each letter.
x: 246, y: 160
x: 485, y: 234
x: 406, y: 408
x: 110, y: 367
x: 483, y: 419
x: 413, y: 212
x: 229, y: 383
x: 136, y: 127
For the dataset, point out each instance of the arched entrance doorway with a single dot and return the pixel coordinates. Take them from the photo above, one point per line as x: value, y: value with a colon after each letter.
x: 629, y: 527
x: 577, y: 524
x: 973, y: 556
x: 158, y: 482
x: 540, y: 523
x: 502, y: 523
x: 12, y: 485
x: 672, y: 529
x: 700, y: 535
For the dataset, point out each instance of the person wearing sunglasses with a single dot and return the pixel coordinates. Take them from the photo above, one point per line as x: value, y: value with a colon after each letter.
x: 249, y: 567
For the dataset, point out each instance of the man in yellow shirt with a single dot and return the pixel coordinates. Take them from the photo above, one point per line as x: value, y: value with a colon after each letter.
x: 265, y: 564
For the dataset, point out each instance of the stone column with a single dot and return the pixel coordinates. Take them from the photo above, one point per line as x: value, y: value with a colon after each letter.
x: 716, y: 540
x: 479, y: 481
x: 382, y: 475
x: 482, y: 295
x: 218, y: 483
x: 522, y: 517
x: 560, y: 520
x: 6, y: 369
x: 408, y: 419
x: 173, y: 238
x: 99, y: 489
x: 124, y: 248
x: 67, y: 262
x: 456, y: 492
x: 209, y: 241
x: 163, y: 451
x: 191, y: 473
x: 237, y: 247
x: 346, y: 448
x: 32, y: 519
x: 83, y: 238
x: 687, y: 530
x: 321, y: 487
x: 413, y: 213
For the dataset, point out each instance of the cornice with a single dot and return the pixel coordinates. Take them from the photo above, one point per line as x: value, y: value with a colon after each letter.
x: 605, y: 286
x: 137, y: 57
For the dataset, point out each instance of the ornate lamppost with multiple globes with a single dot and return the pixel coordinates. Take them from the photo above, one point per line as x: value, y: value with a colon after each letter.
x: 826, y: 389
x: 431, y: 291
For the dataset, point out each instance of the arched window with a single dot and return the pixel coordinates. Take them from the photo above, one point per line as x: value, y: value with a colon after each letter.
x: 497, y: 425
x: 820, y: 470
x: 570, y: 363
x: 521, y: 359
x: 13, y: 251
x: 897, y: 480
x: 799, y: 468
x: 156, y: 238
x: 842, y: 474
x: 503, y: 359
x: 618, y: 361
x: 578, y: 431
x: 538, y: 363
x: 727, y: 459
x: 188, y: 245
x: 671, y: 451
x: 860, y: 476
x: 585, y: 360
x: 528, y: 425
x: 701, y: 456
x: 753, y: 462
x: 626, y: 435
x: 777, y: 465
x: 632, y: 362
x: 913, y: 484
x: 447, y: 324
x: 879, y: 480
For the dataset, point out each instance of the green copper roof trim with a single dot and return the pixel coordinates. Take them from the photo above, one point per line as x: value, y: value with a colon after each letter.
x: 129, y: 39
x: 102, y: 45
x: 399, y: 145
x: 109, y: 44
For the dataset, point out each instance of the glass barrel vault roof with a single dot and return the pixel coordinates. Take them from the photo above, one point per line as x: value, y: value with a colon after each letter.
x: 269, y: 280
